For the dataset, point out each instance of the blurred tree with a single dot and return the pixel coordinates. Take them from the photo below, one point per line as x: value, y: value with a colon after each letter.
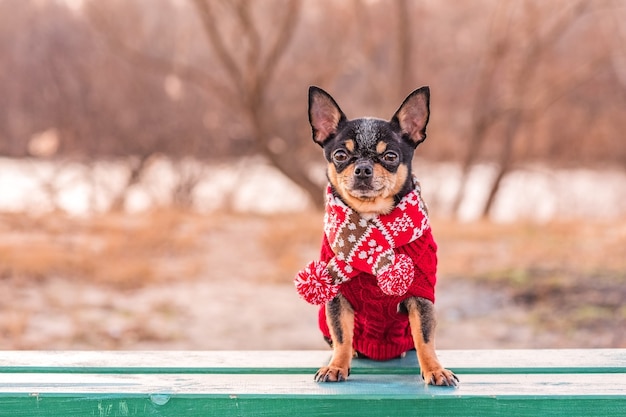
x: 249, y: 61
x: 615, y: 32
x: 514, y: 81
x: 514, y: 87
x: 153, y: 104
x: 248, y: 41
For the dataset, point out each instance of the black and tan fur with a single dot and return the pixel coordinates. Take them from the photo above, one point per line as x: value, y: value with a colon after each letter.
x: 369, y: 168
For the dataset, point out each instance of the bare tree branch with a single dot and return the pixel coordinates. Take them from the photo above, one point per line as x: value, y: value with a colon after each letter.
x: 285, y: 34
x: 208, y: 19
x: 405, y: 46
x: 515, y: 105
x: 252, y: 78
x: 163, y: 66
x: 484, y: 110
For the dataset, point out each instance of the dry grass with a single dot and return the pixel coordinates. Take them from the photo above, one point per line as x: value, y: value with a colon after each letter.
x: 498, y: 253
x: 137, y: 249
x: 506, y: 251
x: 133, y: 250
x: 114, y: 249
x: 568, y: 277
x: 292, y: 242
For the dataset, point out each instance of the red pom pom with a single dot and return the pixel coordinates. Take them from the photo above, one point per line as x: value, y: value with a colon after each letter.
x: 315, y: 285
x: 397, y: 278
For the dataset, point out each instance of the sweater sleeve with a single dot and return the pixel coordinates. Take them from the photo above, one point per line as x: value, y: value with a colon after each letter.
x: 423, y: 252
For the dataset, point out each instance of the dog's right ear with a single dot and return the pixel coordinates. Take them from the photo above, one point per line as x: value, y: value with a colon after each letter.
x: 324, y: 115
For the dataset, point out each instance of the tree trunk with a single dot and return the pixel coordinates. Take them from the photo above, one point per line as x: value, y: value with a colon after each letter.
x: 505, y: 163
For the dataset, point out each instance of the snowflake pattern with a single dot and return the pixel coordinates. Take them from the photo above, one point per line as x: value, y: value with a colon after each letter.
x: 364, y: 244
x: 401, y: 225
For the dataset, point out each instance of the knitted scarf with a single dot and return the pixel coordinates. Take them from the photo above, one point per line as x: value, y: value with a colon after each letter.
x: 365, y: 245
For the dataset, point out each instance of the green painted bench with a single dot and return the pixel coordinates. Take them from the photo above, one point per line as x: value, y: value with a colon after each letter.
x: 275, y: 383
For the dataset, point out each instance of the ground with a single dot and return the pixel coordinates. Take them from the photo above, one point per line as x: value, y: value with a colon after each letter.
x: 178, y: 280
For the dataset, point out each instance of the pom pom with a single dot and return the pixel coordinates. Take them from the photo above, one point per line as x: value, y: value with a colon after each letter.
x: 315, y: 285
x: 397, y: 278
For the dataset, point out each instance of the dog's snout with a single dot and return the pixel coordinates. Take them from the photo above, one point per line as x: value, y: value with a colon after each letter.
x: 363, y: 170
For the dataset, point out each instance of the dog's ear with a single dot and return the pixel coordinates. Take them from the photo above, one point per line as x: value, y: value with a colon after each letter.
x: 412, y: 116
x: 324, y: 115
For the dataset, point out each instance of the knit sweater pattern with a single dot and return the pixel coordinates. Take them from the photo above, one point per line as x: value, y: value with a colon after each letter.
x: 381, y: 332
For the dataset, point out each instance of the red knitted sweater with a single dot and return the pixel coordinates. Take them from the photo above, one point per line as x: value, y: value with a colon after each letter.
x: 380, y: 331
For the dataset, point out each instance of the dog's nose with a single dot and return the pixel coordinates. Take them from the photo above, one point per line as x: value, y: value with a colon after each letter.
x: 363, y: 170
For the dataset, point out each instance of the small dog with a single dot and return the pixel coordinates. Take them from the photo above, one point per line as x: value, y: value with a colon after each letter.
x: 375, y: 280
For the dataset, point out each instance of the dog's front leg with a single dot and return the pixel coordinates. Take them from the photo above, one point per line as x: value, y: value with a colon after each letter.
x: 340, y: 319
x: 422, y: 320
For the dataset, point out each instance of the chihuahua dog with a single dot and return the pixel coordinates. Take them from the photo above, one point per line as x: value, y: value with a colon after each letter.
x: 370, y: 177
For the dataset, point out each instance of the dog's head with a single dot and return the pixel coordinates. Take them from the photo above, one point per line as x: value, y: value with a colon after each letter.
x: 369, y: 160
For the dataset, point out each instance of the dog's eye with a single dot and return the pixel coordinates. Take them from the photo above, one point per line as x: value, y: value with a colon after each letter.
x: 390, y: 156
x: 340, y: 156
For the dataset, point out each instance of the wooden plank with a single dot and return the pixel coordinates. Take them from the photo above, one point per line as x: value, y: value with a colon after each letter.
x: 509, y: 382
x: 274, y: 407
x: 375, y: 395
x: 391, y: 385
x: 461, y: 361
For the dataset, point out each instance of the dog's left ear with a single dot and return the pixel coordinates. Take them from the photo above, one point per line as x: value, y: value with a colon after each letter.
x: 412, y: 116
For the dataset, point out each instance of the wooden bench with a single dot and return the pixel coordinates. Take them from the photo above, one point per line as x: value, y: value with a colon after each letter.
x: 275, y: 383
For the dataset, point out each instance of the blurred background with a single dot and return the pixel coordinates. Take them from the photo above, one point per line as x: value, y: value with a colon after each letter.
x: 159, y: 187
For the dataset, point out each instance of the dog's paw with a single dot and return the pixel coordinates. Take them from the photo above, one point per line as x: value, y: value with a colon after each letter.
x: 332, y: 374
x: 441, y: 377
